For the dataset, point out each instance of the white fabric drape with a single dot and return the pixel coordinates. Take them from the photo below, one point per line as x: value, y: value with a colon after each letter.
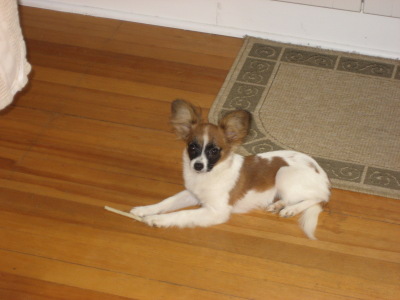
x: 14, y: 67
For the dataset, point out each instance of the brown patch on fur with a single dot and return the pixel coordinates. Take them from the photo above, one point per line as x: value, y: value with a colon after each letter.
x: 197, y: 134
x: 256, y: 174
x: 236, y: 126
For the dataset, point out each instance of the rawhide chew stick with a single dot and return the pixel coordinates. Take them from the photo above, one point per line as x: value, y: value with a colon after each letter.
x: 122, y: 213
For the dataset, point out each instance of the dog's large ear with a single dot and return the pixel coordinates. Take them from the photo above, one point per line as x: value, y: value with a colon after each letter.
x: 184, y: 116
x: 236, y: 126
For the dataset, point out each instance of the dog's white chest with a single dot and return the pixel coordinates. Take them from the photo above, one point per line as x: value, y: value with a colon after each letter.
x: 213, y: 186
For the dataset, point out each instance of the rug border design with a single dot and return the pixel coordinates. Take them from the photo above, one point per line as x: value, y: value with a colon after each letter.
x: 251, y: 77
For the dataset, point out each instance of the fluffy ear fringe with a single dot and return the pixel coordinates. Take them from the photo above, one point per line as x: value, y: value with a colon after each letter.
x: 236, y: 126
x: 184, y: 117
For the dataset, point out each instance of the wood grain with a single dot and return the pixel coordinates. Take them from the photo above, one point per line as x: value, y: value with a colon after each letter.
x: 92, y: 130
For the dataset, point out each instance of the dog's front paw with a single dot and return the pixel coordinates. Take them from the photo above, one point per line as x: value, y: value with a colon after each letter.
x: 157, y: 221
x: 142, y: 211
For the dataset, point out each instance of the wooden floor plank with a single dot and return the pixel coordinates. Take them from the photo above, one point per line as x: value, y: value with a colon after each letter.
x: 21, y: 288
x: 119, y: 148
x: 81, y: 278
x: 64, y: 28
x: 91, y: 129
x: 19, y: 131
x: 365, y: 206
x: 208, y: 262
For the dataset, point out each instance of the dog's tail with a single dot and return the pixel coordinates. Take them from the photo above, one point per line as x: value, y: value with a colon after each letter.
x: 309, y: 220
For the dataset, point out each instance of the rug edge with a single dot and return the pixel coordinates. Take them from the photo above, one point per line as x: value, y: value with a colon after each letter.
x: 218, y: 102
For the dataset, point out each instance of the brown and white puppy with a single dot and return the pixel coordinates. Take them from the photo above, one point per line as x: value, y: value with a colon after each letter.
x: 223, y: 182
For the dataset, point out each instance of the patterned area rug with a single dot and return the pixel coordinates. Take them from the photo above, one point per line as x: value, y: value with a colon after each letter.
x: 343, y: 109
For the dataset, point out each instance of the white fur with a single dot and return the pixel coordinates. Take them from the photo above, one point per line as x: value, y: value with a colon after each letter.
x: 299, y: 186
x: 211, y: 191
x: 202, y: 159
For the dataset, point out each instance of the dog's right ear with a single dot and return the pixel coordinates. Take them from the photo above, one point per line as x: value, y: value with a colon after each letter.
x: 236, y: 125
x: 184, y: 117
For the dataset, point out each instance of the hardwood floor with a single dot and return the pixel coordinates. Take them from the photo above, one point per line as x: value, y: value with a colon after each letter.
x: 92, y: 130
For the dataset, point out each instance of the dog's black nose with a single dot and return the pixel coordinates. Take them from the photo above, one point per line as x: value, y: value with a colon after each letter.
x: 198, y: 166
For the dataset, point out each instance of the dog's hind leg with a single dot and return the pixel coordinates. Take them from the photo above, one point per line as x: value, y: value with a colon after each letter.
x: 178, y: 201
x: 276, y: 206
x: 294, y: 209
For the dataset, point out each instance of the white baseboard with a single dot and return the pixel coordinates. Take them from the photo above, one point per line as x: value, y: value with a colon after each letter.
x: 279, y: 21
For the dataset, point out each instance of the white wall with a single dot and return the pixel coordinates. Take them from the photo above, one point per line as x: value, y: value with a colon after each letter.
x: 281, y: 21
x: 353, y: 5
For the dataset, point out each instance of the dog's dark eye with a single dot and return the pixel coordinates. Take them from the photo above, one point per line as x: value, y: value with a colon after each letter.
x: 214, y: 151
x: 194, y: 150
x: 192, y: 147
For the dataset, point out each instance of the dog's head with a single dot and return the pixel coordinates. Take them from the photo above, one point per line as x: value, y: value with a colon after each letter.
x: 208, y: 144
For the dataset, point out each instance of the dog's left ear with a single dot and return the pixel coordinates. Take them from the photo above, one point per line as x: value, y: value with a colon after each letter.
x: 236, y: 126
x: 184, y: 117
